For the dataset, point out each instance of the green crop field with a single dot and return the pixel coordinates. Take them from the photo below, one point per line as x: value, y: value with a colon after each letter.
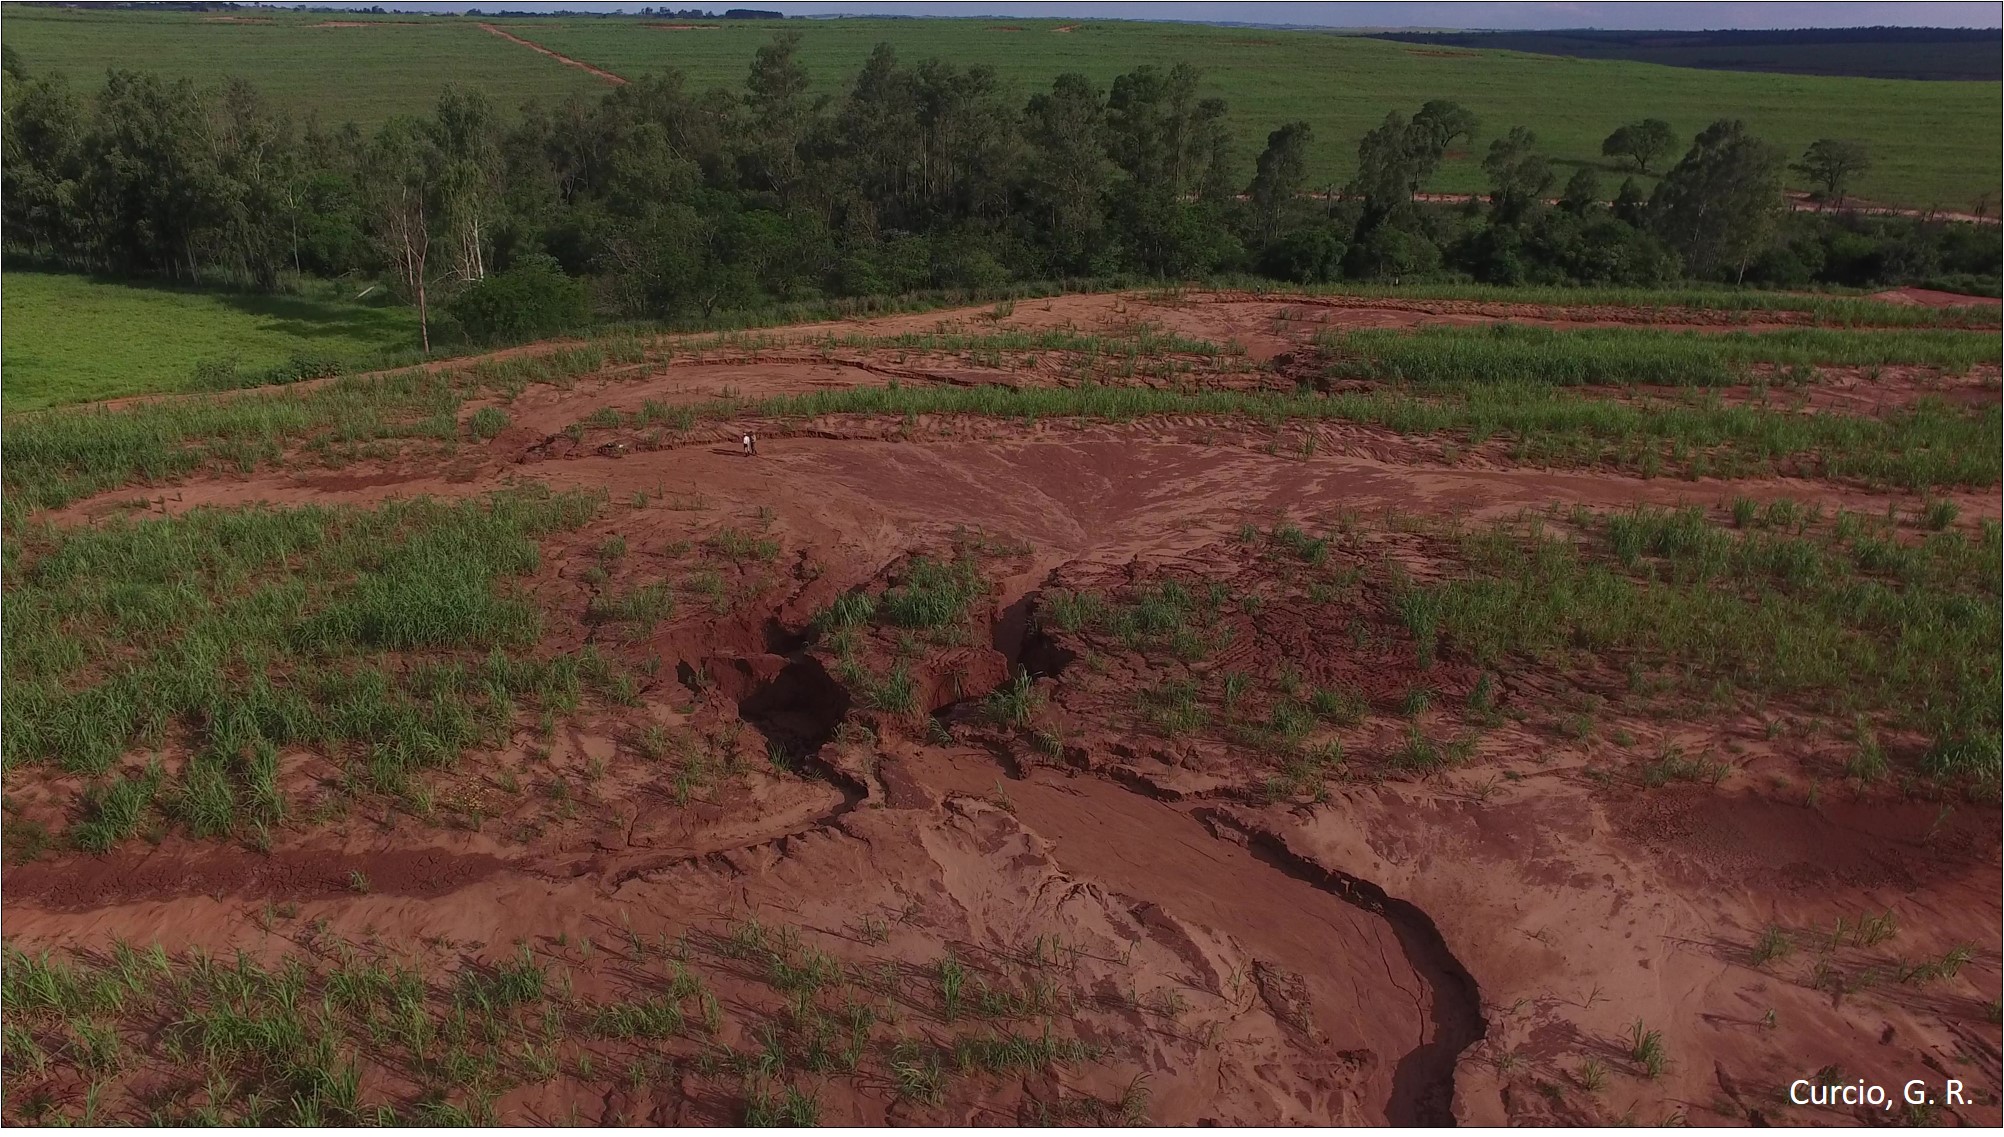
x: 71, y: 338
x: 1935, y: 143
x: 365, y: 73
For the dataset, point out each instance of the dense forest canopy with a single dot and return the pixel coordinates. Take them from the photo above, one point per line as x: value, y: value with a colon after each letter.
x: 655, y: 201
x: 1954, y: 54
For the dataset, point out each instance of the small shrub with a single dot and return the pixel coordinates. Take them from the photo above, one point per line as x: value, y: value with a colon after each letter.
x: 1869, y: 763
x: 113, y: 811
x: 1338, y: 705
x: 1014, y: 703
x: 1772, y: 945
x: 487, y: 422
x: 1939, y: 514
x: 1419, y: 755
x: 1646, y: 1048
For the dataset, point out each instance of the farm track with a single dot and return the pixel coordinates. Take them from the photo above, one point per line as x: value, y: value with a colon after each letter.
x: 511, y: 37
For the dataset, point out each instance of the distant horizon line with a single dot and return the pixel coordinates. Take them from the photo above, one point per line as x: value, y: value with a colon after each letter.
x: 418, y: 7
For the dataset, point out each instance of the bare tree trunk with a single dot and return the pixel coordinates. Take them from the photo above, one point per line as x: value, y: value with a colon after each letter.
x: 415, y: 249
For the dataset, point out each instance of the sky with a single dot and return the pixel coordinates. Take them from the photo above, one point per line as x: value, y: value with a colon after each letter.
x: 1502, y: 16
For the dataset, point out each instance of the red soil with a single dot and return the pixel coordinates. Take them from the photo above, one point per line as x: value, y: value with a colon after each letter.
x: 1395, y: 949
x: 1932, y: 298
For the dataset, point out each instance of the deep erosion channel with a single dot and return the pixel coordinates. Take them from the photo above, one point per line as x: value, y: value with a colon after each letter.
x: 1423, y: 1087
x: 1377, y: 969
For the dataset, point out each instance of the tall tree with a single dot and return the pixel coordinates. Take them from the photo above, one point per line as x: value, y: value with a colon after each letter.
x: 1441, y: 121
x: 1582, y: 192
x: 1720, y: 204
x: 1831, y: 163
x: 878, y: 130
x: 1397, y: 157
x: 398, y: 177
x: 1278, y: 177
x: 1640, y: 142
x: 1160, y: 132
x: 151, y: 197
x: 256, y: 163
x: 1518, y: 174
x: 1631, y: 204
x: 1175, y: 153
x: 42, y: 188
x: 1386, y: 169
x: 1214, y: 143
x: 966, y: 138
x: 466, y: 146
x: 1069, y: 174
x: 780, y: 117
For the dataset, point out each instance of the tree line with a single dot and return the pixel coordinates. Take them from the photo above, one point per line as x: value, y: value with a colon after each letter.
x: 655, y: 201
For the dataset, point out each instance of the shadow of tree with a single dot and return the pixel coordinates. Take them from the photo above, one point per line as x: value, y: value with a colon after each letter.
x: 309, y: 318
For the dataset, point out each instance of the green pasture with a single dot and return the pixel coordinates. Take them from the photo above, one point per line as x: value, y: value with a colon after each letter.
x: 71, y: 339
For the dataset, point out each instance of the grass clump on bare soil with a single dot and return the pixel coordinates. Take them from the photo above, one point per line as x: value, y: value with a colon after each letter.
x: 930, y: 601
x: 390, y: 639
x: 1519, y: 353
x: 1845, y: 613
x: 1184, y: 618
x: 932, y: 595
x: 928, y: 595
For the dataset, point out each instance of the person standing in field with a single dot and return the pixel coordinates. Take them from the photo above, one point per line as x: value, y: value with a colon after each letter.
x: 750, y: 445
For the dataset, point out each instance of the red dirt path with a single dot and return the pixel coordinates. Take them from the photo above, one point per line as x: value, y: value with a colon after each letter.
x: 615, y: 80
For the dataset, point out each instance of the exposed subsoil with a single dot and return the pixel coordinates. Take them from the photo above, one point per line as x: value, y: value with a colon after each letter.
x: 1934, y: 298
x: 1395, y: 949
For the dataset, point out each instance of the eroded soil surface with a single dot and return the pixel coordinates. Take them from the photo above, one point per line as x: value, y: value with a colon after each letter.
x: 1238, y: 941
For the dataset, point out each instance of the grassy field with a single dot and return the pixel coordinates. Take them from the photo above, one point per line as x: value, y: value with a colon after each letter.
x: 1933, y: 142
x: 1841, y: 610
x: 316, y: 602
x: 72, y: 339
x: 363, y: 73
